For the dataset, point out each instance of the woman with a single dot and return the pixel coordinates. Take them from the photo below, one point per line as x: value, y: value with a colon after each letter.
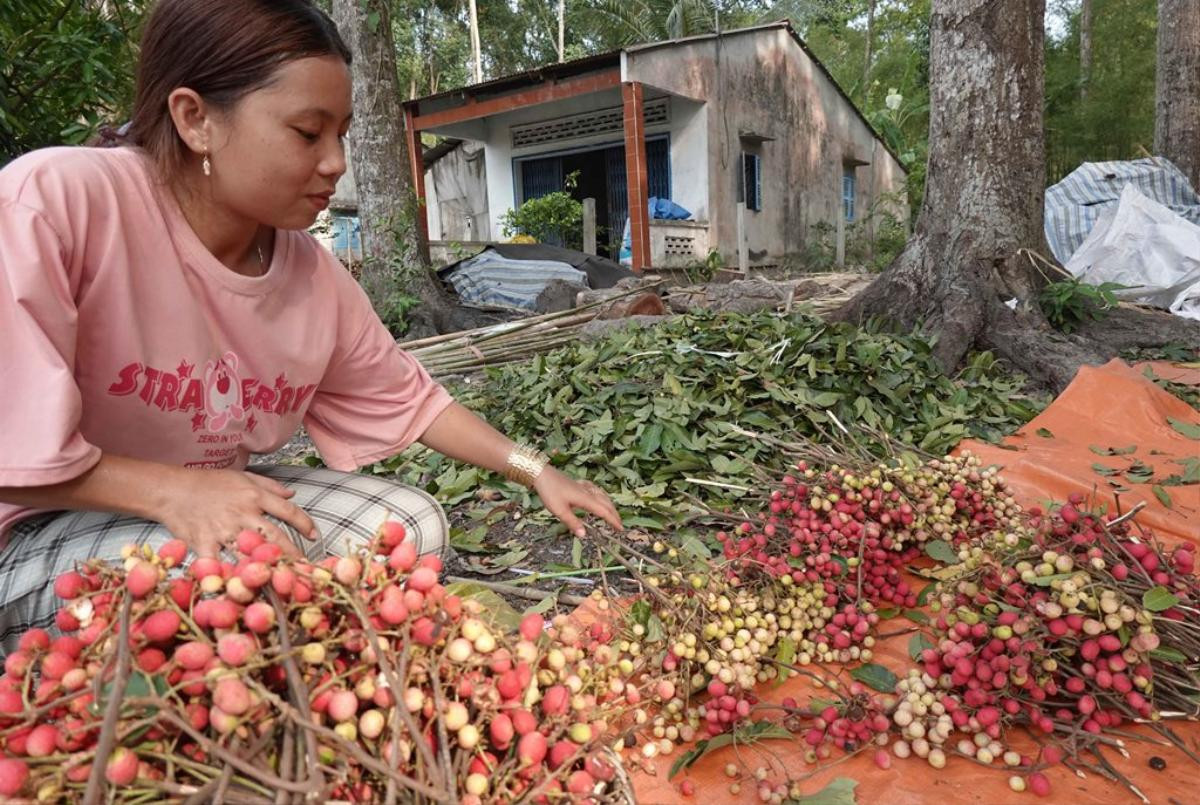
x: 164, y: 316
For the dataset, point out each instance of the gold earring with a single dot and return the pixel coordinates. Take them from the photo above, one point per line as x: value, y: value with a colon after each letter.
x: 206, y: 166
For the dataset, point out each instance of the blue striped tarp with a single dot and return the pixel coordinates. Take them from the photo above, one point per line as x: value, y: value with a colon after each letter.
x: 490, y: 278
x: 1074, y: 204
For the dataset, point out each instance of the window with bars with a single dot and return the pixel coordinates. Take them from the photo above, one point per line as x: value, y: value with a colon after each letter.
x: 655, y: 112
x: 849, y: 187
x: 752, y: 181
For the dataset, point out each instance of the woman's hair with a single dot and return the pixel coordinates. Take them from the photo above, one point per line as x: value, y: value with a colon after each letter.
x: 222, y: 49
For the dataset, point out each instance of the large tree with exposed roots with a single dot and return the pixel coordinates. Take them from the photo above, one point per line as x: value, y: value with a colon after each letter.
x: 968, y: 275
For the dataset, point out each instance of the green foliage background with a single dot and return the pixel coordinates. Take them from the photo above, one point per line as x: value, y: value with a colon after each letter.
x: 66, y: 66
x: 1117, y: 119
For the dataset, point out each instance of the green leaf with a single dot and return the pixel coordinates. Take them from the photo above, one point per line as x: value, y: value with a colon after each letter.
x: 1191, y: 470
x: 761, y: 730
x: 1162, y: 495
x: 747, y: 733
x: 1107, y: 472
x: 688, y: 758
x: 941, y: 551
x: 1044, y: 433
x: 785, y: 652
x: 694, y: 547
x: 640, y: 521
x: 496, y: 610
x: 1186, y: 428
x: 651, y: 439
x: 640, y: 611
x: 469, y: 541
x: 1139, y: 473
x: 876, y: 677
x: 916, y: 616
x: 1159, y: 598
x: 917, y: 644
x: 926, y: 591
x: 817, y: 705
x: 138, y: 685
x: 887, y: 613
x: 1046, y: 581
x: 1190, y: 474
x: 655, y: 633
x: 576, y: 553
x: 543, y: 606
x: 1168, y: 654
x: 838, y: 792
x: 1112, y: 451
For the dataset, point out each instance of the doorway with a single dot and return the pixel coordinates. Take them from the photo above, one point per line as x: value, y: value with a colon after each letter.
x: 600, y: 174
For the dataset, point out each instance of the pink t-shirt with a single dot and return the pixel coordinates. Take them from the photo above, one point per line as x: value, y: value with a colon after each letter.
x: 120, y: 332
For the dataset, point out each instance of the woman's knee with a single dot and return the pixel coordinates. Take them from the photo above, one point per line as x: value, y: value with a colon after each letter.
x: 348, y: 509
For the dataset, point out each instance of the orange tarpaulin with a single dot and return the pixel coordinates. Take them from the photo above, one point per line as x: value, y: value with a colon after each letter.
x: 1110, y: 406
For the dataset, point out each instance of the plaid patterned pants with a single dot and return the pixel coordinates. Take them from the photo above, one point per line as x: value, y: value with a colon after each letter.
x: 347, y: 508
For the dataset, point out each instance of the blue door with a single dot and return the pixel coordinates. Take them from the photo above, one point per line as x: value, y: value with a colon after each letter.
x: 618, y: 197
x: 540, y: 177
x: 658, y: 167
x: 658, y: 180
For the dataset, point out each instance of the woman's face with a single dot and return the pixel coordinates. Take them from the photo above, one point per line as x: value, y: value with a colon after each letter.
x: 278, y: 153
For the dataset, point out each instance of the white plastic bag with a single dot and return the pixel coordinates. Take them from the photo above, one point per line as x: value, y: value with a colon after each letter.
x: 1142, y: 244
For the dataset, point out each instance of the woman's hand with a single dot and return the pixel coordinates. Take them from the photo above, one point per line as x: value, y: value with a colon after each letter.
x: 208, y: 508
x: 562, y: 495
x: 463, y: 436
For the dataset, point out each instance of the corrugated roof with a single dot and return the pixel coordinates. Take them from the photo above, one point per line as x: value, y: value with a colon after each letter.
x: 613, y: 58
x: 538, y: 75
x: 765, y: 26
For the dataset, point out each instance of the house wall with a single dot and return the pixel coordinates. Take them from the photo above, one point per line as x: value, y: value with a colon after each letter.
x: 456, y: 195
x: 687, y: 127
x: 762, y: 82
x: 689, y: 151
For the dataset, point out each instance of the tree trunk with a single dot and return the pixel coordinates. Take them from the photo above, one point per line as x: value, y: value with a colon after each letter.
x: 476, y: 56
x: 964, y: 275
x: 562, y: 26
x: 1177, y: 86
x: 1085, y: 48
x: 392, y: 249
x: 866, y: 87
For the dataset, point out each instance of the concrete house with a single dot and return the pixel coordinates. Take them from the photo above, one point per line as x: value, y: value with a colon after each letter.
x: 744, y: 129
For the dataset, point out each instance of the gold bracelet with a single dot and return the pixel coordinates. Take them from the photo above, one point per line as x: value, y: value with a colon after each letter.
x: 525, y: 464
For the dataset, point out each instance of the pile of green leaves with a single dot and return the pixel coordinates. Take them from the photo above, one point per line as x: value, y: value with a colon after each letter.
x: 646, y: 413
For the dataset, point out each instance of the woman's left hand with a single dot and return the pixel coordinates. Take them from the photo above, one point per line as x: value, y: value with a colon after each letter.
x: 562, y: 495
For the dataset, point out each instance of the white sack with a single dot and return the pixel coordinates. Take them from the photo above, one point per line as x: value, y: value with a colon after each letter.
x: 1142, y: 243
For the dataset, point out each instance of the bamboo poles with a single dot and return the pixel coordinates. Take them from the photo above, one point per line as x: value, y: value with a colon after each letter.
x: 455, y: 353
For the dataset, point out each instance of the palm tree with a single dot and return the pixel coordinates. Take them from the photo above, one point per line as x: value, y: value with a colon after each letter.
x: 616, y: 23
